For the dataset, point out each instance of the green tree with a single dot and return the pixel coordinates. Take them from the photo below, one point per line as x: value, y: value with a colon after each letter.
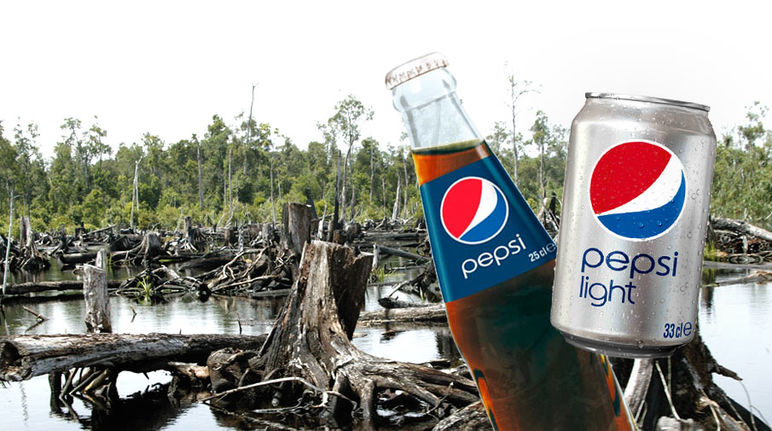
x: 345, y: 125
x: 31, y: 169
x: 742, y: 180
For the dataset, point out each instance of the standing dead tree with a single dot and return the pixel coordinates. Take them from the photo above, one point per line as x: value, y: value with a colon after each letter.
x: 516, y: 90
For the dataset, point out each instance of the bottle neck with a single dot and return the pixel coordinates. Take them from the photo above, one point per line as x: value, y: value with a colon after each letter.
x: 432, y: 112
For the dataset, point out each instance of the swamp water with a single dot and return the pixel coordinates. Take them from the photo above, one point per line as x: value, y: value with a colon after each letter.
x: 734, y: 322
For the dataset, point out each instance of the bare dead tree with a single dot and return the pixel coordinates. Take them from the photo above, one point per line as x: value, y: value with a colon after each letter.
x: 517, y: 90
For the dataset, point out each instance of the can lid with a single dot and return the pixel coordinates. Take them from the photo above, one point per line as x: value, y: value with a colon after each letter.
x: 415, y: 67
x: 648, y: 99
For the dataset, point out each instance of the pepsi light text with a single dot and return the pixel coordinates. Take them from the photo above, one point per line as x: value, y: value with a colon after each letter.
x: 601, y: 293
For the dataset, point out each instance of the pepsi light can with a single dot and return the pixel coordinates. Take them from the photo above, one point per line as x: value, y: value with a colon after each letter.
x: 636, y: 199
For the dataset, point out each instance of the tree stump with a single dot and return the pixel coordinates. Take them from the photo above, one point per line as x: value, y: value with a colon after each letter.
x: 311, y: 340
x: 32, y: 259
x: 296, y: 223
x: 268, y: 233
x: 96, y: 297
x: 148, y: 250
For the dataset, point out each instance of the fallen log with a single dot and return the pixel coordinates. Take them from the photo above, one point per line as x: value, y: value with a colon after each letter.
x: 208, y: 262
x: 758, y: 277
x: 734, y: 266
x: 268, y: 293
x: 390, y: 303
x: 429, y: 313
x: 394, y: 236
x: 742, y: 227
x: 26, y: 356
x: 42, y: 286
x: 383, y: 250
x: 76, y: 258
x: 470, y: 418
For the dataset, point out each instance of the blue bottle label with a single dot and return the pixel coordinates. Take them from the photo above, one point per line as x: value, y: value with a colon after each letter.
x: 481, y: 229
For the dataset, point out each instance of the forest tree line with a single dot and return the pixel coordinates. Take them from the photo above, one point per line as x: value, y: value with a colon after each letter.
x: 245, y: 170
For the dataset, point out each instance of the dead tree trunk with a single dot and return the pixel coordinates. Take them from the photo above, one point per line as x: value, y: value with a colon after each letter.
x: 150, y: 248
x: 395, y: 210
x: 96, y: 297
x: 311, y: 340
x: 471, y: 418
x: 135, y: 194
x: 43, y: 286
x: 428, y: 313
x: 742, y: 227
x: 200, y: 178
x: 8, y: 242
x: 335, y: 214
x: 26, y: 356
x: 296, y: 221
x: 33, y: 260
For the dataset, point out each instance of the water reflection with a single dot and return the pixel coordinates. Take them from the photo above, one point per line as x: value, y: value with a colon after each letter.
x: 735, y: 325
x: 706, y: 299
x: 150, y: 408
x: 182, y: 314
x: 733, y: 320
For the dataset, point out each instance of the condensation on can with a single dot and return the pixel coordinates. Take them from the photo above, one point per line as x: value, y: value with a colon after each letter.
x: 635, y: 205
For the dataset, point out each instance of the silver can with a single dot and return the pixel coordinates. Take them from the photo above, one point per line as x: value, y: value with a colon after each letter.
x: 636, y: 201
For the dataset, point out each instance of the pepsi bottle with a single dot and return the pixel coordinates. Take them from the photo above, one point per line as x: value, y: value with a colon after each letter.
x: 495, y: 264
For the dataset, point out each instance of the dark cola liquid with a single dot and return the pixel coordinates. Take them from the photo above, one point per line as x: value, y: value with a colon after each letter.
x: 529, y: 378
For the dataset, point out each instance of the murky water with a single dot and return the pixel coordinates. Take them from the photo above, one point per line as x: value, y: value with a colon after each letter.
x: 733, y: 320
x: 736, y: 325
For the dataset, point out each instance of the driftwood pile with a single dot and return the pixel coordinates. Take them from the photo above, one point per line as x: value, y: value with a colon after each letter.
x: 23, y: 255
x: 741, y: 242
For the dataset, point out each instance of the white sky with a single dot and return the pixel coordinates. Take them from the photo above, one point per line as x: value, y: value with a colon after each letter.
x: 166, y: 67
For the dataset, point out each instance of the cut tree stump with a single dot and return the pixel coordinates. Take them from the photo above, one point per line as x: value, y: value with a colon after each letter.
x: 95, y: 295
x: 311, y: 340
x: 296, y: 224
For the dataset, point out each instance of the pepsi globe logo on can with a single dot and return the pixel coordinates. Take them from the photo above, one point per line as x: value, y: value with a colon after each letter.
x: 637, y: 190
x: 474, y: 210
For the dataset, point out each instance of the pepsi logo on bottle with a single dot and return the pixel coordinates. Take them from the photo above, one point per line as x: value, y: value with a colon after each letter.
x: 473, y: 210
x: 482, y: 230
x: 637, y: 190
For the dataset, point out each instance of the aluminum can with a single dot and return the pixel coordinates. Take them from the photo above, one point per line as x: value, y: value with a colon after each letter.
x: 636, y: 200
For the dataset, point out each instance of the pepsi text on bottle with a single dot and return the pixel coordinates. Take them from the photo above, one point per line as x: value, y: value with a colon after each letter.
x: 636, y: 198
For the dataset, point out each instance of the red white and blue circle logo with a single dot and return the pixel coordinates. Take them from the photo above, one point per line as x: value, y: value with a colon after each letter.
x: 638, y: 190
x: 473, y: 210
